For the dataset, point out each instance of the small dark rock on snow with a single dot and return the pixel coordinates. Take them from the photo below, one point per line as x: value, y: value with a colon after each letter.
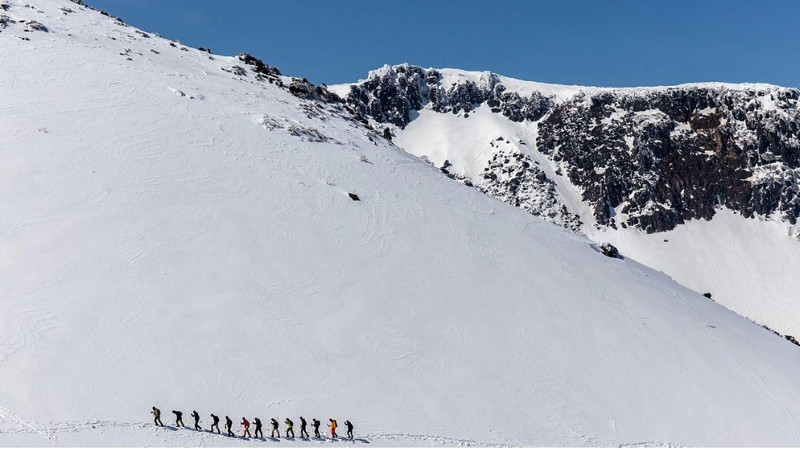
x: 354, y: 197
x: 609, y: 250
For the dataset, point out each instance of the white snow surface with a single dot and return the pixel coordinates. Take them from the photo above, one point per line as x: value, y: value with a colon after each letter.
x: 196, y: 251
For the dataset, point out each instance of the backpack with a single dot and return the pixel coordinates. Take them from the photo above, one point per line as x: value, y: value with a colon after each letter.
x: 334, y: 423
x: 289, y: 422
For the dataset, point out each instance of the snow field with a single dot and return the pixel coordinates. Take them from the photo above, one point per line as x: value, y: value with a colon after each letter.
x: 170, y: 250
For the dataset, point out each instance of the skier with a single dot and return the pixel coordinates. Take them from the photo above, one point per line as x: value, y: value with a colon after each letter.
x: 258, y: 428
x: 274, y: 428
x: 228, y: 425
x: 332, y: 423
x: 196, y: 421
x: 178, y: 418
x: 303, y: 428
x: 289, y: 425
x: 316, y: 423
x: 157, y: 416
x: 215, y: 423
x: 246, y: 426
x: 349, y: 429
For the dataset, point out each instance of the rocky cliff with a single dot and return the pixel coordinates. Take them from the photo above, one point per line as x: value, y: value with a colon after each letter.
x: 649, y: 158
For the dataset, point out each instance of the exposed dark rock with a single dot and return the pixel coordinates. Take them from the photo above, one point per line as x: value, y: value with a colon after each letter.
x: 258, y: 66
x: 33, y: 25
x: 661, y: 157
x: 236, y: 70
x: 512, y: 177
x: 304, y: 89
x: 609, y: 250
x: 354, y: 197
x: 389, y: 96
x: 707, y: 295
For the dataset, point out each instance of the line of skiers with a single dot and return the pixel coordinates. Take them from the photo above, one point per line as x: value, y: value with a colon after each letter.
x: 257, y: 422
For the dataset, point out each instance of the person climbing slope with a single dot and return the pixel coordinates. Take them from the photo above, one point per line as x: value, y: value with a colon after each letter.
x: 332, y: 423
x: 228, y: 425
x: 215, y: 423
x: 274, y: 428
x: 303, y: 432
x: 289, y: 425
x: 196, y: 418
x: 178, y: 418
x: 246, y: 425
x: 258, y: 428
x: 157, y: 416
x: 316, y: 423
x: 349, y: 429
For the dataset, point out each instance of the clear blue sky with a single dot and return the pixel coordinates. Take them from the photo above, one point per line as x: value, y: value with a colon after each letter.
x: 586, y: 42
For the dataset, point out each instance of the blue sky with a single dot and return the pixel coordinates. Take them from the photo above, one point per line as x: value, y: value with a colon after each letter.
x: 600, y: 43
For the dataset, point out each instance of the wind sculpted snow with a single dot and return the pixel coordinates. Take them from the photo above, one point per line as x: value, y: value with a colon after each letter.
x: 189, y: 251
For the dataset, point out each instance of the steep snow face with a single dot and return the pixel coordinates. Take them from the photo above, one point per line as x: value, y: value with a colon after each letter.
x: 178, y: 232
x: 616, y: 164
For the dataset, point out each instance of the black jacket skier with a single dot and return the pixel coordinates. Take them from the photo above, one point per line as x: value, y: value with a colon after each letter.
x: 228, y: 425
x: 274, y: 428
x: 316, y: 423
x: 303, y: 432
x: 196, y: 418
x: 178, y: 418
x: 349, y: 429
x: 215, y: 423
x: 257, y: 421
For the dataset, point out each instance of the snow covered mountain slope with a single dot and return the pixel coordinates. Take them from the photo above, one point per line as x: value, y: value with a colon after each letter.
x: 635, y: 167
x: 177, y: 231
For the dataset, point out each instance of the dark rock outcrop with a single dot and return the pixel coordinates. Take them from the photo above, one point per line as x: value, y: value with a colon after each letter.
x: 660, y: 157
x: 392, y: 93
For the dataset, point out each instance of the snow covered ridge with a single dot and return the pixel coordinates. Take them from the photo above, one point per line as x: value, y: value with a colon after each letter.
x: 655, y: 157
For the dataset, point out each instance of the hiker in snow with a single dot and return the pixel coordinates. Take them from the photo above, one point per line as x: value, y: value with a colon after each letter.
x: 316, y: 423
x: 332, y: 423
x: 349, y: 429
x: 228, y: 425
x: 215, y: 423
x: 196, y: 418
x: 274, y: 428
x: 157, y: 416
x: 246, y: 426
x: 178, y: 418
x: 303, y: 427
x: 258, y: 428
x: 289, y: 425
